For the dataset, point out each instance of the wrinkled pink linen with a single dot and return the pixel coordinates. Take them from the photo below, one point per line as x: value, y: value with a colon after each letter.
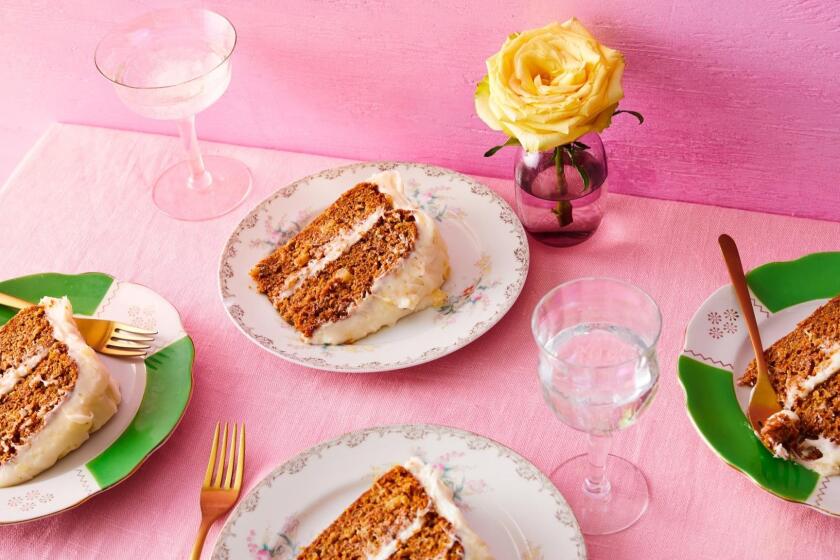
x: 80, y: 201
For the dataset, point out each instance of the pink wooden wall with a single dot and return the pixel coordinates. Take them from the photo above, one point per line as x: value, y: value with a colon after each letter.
x: 741, y: 96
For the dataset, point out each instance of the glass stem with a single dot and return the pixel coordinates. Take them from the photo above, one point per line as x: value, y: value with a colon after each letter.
x: 199, y: 177
x: 596, y: 483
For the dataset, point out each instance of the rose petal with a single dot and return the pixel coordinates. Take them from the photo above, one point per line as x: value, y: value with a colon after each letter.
x: 551, y: 85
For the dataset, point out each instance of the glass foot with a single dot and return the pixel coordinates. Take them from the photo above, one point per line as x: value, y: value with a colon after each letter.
x: 228, y: 188
x: 625, y: 503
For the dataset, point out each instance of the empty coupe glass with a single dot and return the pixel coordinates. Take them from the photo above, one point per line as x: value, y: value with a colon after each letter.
x: 171, y: 64
x: 598, y: 369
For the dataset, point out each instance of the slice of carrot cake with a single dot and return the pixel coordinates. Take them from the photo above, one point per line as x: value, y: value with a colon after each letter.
x: 368, y: 260
x: 54, y: 390
x: 408, y: 514
x: 803, y: 367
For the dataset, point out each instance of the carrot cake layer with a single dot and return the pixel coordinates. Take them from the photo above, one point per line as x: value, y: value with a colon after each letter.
x: 803, y: 367
x: 368, y: 260
x: 54, y: 390
x: 407, y: 514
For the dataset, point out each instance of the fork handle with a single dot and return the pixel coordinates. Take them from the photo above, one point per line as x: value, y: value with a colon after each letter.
x: 206, y: 523
x: 12, y: 301
x: 742, y: 292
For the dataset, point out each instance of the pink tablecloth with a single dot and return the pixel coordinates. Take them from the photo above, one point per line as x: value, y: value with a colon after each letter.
x: 80, y: 201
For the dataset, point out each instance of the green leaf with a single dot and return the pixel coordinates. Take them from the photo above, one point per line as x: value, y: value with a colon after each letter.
x: 636, y: 114
x: 492, y: 151
x: 580, y: 145
x: 560, y: 169
x: 584, y: 175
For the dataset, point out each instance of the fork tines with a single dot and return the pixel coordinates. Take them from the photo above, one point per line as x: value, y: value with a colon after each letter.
x: 127, y: 335
x: 213, y: 478
x: 132, y: 329
x: 128, y: 340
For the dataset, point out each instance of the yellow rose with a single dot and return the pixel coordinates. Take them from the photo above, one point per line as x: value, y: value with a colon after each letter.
x: 550, y: 86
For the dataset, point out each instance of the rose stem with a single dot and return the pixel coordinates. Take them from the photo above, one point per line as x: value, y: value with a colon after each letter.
x: 563, y: 210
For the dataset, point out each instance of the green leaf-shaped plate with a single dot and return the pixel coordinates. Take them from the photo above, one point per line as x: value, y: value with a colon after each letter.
x: 717, y: 351
x: 155, y: 393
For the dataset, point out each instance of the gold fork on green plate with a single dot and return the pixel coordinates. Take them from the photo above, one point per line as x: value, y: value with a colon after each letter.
x: 763, y: 400
x: 106, y: 337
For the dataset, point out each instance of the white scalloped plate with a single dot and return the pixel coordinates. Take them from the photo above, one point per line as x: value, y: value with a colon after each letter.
x: 488, y: 252
x: 511, y: 504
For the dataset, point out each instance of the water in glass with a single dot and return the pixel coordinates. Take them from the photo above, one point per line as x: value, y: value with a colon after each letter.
x: 614, y: 386
x: 179, y: 66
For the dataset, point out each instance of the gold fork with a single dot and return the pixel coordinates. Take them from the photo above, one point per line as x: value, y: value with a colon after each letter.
x: 763, y: 400
x: 217, y: 495
x: 106, y: 337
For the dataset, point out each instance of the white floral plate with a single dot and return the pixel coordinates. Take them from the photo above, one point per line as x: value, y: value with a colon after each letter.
x: 488, y: 252
x: 507, y: 500
x: 155, y: 392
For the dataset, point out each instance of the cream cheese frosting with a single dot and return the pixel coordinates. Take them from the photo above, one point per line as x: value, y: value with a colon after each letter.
x: 386, y: 551
x: 411, y: 286
x: 441, y: 496
x: 829, y: 463
x: 822, y: 373
x: 91, y: 403
x: 10, y: 377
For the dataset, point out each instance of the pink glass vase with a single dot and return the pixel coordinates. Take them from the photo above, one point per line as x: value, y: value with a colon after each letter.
x: 555, y: 203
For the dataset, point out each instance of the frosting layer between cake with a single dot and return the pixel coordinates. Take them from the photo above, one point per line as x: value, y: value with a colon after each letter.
x: 412, y: 285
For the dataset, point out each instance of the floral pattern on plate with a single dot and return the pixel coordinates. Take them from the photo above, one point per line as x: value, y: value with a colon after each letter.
x: 28, y: 500
x: 510, y: 503
x: 280, y: 545
x: 474, y: 294
x: 435, y: 201
x: 488, y: 253
x: 281, y: 228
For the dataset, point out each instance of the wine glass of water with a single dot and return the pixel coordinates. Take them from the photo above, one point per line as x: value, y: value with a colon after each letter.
x: 171, y: 64
x: 598, y: 370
